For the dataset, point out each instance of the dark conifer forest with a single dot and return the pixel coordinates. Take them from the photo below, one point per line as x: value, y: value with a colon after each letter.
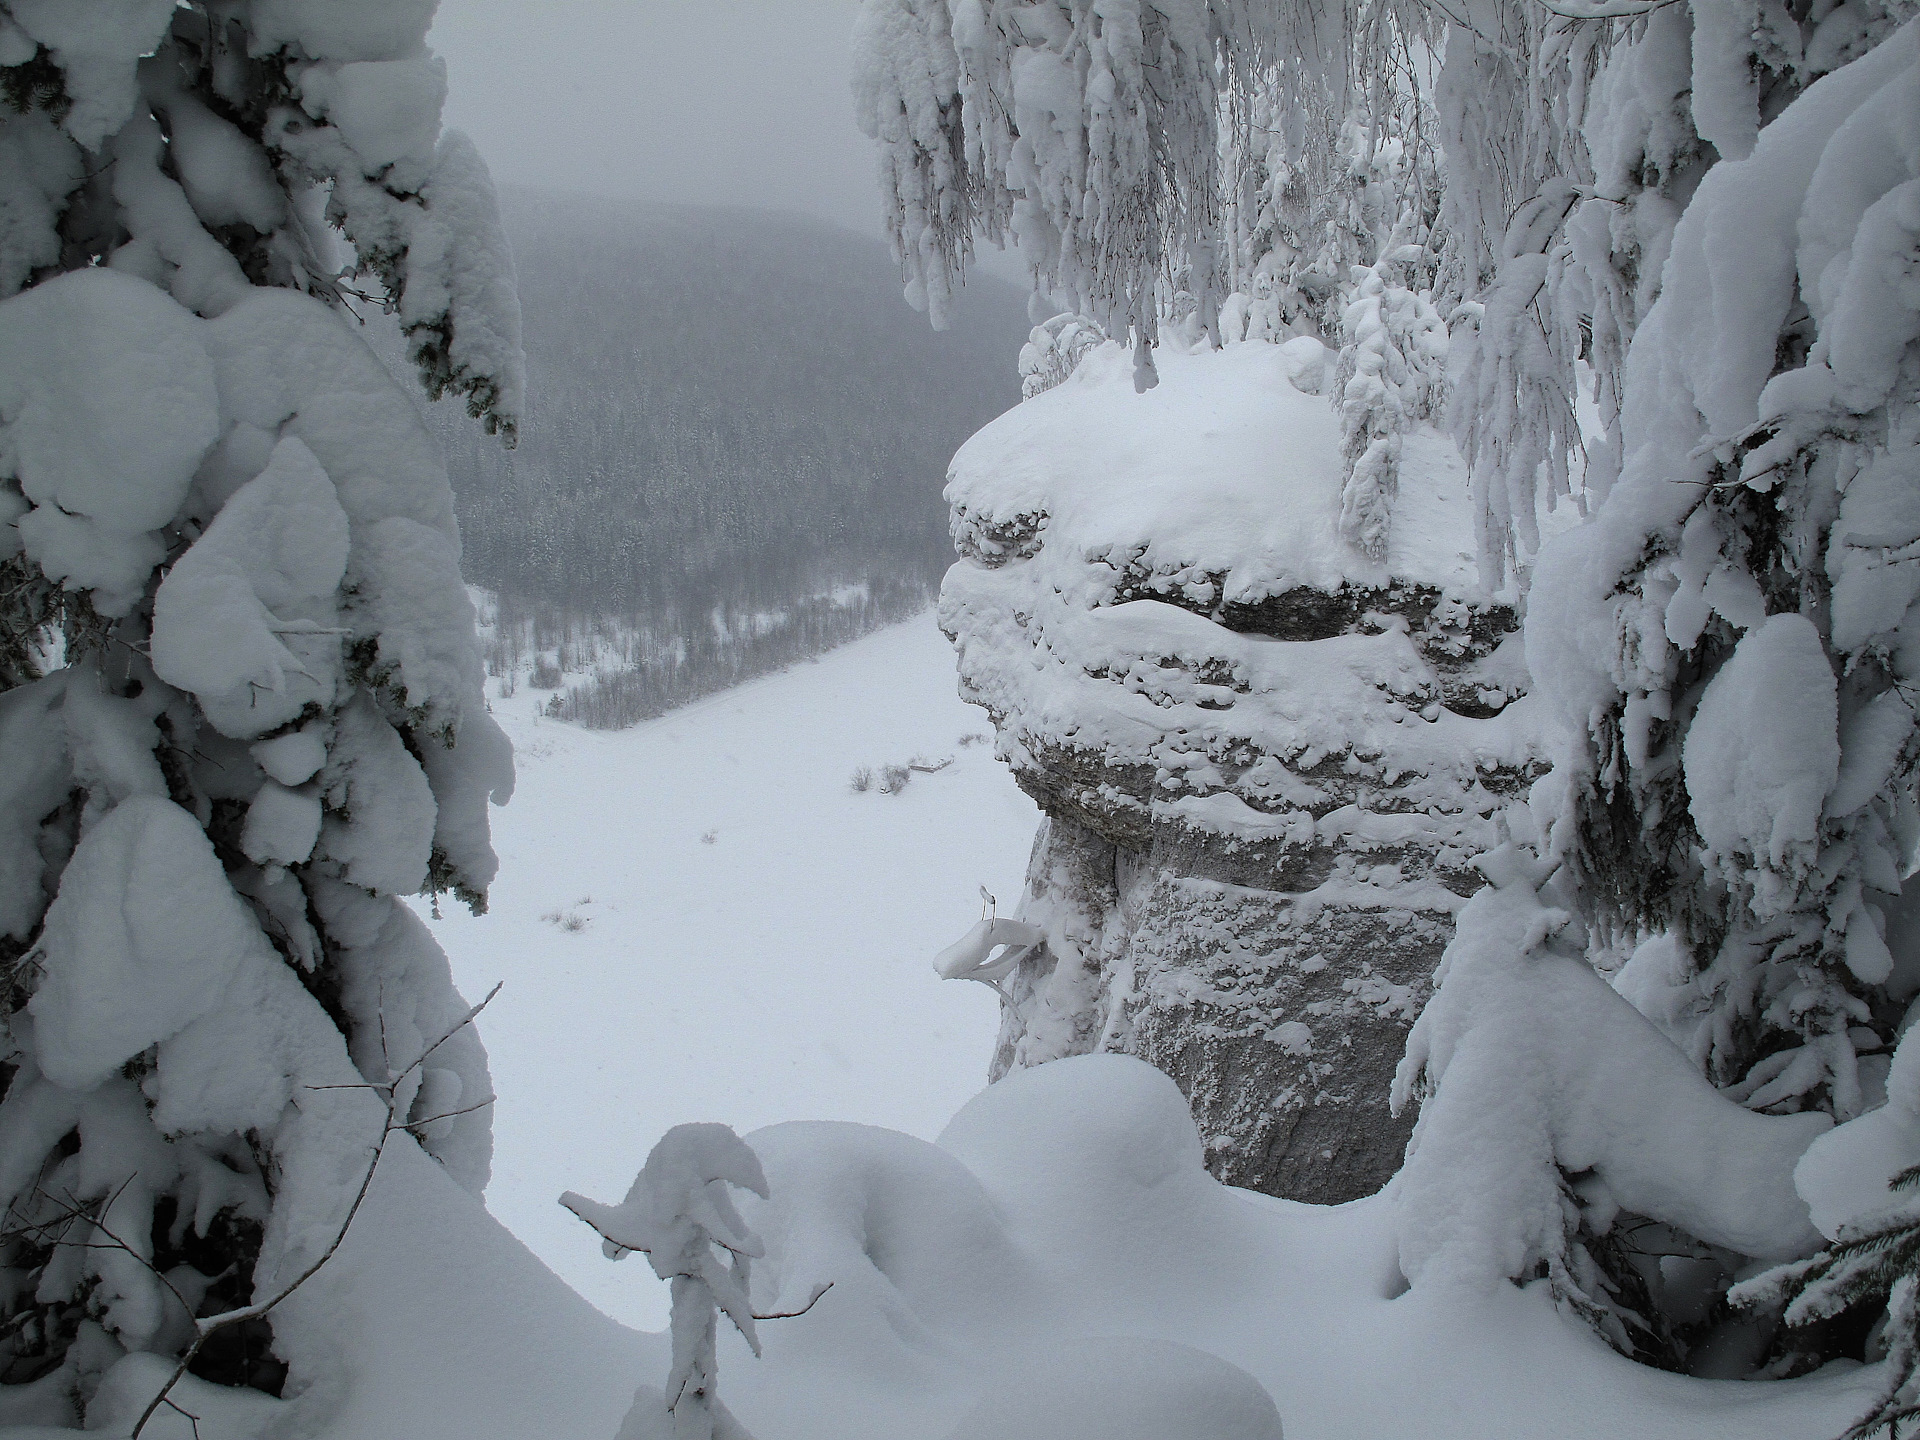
x: 674, y: 541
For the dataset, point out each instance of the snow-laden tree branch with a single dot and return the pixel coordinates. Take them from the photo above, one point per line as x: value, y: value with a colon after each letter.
x: 226, y: 523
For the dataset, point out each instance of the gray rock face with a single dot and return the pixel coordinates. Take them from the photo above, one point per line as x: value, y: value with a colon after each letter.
x: 1273, y: 977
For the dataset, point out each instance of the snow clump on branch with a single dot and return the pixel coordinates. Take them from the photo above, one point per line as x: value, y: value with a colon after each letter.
x: 267, y: 726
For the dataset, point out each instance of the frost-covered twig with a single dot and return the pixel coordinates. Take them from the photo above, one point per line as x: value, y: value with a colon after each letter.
x: 205, y: 1328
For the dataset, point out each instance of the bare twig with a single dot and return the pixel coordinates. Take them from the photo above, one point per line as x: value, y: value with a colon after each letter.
x: 206, y: 1328
x: 796, y: 1314
x: 72, y: 1210
x: 449, y: 1114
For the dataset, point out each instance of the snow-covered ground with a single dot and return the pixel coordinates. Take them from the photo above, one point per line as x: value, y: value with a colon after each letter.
x: 754, y: 937
x: 1059, y: 1266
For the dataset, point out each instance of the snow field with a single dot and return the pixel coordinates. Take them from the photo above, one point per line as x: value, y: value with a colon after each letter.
x: 754, y: 939
x: 1061, y: 1253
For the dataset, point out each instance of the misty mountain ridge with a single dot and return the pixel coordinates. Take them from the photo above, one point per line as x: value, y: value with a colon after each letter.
x: 709, y: 387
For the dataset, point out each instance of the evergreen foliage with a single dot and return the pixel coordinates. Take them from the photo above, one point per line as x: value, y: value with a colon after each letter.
x: 1875, y: 1262
x: 239, y: 692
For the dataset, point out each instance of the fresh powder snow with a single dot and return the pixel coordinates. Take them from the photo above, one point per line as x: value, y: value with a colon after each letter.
x: 700, y: 919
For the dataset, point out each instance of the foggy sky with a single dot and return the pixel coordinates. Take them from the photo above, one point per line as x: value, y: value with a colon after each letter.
x: 692, y: 102
x: 686, y: 101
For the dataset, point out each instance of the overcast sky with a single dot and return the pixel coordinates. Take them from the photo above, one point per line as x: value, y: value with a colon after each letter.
x: 696, y: 102
x: 690, y: 101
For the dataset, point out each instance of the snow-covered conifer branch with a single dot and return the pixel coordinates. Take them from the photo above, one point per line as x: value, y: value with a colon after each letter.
x: 267, y: 726
x: 207, y: 1326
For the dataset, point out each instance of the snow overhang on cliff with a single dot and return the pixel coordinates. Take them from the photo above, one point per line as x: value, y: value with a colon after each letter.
x: 1219, y: 487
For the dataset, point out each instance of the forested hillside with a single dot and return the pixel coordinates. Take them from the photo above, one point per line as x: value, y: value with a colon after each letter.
x: 734, y: 448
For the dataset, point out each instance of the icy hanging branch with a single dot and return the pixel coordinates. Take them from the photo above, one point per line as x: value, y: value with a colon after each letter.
x: 1083, y: 130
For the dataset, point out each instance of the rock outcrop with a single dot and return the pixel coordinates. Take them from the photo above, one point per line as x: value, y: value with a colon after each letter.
x: 1266, y: 761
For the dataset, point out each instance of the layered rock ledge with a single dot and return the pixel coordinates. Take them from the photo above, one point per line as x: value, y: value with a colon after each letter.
x: 1266, y: 760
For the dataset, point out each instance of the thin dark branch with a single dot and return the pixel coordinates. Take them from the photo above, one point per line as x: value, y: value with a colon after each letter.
x: 449, y: 1114
x: 796, y: 1314
x: 211, y: 1325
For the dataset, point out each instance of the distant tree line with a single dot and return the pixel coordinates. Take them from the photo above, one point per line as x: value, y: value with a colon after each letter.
x: 730, y: 411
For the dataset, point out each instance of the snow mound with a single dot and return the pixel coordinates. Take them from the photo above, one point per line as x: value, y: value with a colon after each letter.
x: 902, y: 1230
x: 1534, y: 1067
x: 1124, y: 1389
x: 1223, y: 469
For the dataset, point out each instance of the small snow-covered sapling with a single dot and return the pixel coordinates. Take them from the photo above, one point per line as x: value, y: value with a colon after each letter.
x: 679, y: 1214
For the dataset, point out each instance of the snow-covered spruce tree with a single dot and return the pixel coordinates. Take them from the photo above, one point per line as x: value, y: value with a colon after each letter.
x: 1391, y: 377
x: 1287, y: 256
x: 1726, y: 645
x: 229, y: 540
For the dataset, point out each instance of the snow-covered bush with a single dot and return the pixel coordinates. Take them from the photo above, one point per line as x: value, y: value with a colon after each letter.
x: 679, y: 1215
x: 228, y: 524
x: 1053, y: 350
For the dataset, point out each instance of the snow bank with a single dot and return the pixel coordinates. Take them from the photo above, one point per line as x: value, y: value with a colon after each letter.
x: 1123, y: 1389
x: 1534, y: 1072
x: 1061, y: 1265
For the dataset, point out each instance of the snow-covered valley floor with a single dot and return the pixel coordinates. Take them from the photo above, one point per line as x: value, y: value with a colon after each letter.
x: 753, y: 938
x: 779, y: 971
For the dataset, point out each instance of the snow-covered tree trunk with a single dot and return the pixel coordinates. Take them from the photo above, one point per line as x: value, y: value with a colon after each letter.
x: 231, y: 550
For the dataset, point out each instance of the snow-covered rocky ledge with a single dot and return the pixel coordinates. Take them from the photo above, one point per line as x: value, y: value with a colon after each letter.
x: 1266, y: 759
